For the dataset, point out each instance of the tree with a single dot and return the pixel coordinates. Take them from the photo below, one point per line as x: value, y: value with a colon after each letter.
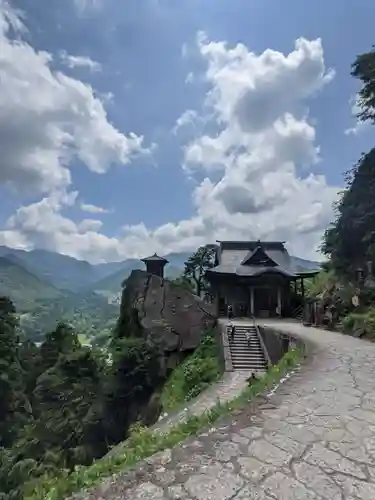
x: 183, y: 282
x: 197, y: 265
x: 63, y: 339
x: 135, y: 375
x: 364, y: 69
x: 350, y: 240
x: 67, y: 397
x: 13, y: 405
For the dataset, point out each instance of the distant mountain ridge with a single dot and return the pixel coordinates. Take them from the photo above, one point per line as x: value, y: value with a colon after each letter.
x: 69, y: 274
x: 23, y: 286
x: 48, y: 287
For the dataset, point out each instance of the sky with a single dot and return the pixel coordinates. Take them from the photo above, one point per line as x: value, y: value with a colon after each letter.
x: 129, y: 127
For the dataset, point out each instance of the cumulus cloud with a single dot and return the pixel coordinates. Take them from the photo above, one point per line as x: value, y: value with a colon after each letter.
x: 79, y: 62
x: 93, y: 209
x: 48, y: 119
x: 43, y: 225
x: 265, y: 150
x: 258, y: 164
x: 188, y: 117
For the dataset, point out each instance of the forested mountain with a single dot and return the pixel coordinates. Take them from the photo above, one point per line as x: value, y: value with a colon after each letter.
x: 48, y: 287
x: 42, y: 437
x: 23, y: 286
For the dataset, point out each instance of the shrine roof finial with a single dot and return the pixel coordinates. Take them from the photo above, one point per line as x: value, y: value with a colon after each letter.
x: 155, y: 257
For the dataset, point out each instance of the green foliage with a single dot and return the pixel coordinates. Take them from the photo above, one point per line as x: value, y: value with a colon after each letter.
x: 12, y: 400
x: 90, y: 314
x: 364, y: 69
x: 197, y: 265
x: 22, y: 286
x: 190, y: 378
x: 62, y: 405
x: 361, y: 322
x: 350, y: 241
x: 183, y: 282
x: 134, y: 375
x: 315, y: 286
x: 143, y: 442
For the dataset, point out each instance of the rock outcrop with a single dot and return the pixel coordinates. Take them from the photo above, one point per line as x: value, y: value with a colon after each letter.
x: 165, y: 312
x: 172, y: 319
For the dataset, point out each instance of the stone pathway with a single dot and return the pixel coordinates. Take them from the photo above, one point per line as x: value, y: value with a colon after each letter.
x: 314, y: 438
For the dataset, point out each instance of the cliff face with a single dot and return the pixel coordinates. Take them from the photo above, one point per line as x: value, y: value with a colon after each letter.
x: 164, y: 312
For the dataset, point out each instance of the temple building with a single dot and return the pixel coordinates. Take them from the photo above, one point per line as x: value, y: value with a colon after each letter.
x: 257, y: 278
x: 155, y: 265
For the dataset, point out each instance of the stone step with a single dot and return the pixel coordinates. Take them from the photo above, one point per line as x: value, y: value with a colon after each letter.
x: 248, y: 360
x: 251, y: 368
x: 241, y: 355
x: 248, y: 363
x: 247, y: 352
x: 245, y: 343
x: 246, y: 347
x: 243, y: 337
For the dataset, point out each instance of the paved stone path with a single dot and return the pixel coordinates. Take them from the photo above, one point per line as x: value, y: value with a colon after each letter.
x: 314, y: 438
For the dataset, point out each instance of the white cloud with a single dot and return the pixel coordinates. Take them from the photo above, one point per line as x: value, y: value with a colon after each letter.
x: 42, y: 224
x: 359, y: 126
x: 258, y: 165
x: 88, y: 5
x: 48, y: 119
x: 93, y: 209
x: 188, y: 117
x: 79, y: 62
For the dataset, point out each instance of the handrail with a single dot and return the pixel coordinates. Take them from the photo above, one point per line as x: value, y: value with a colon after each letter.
x: 263, y: 345
x: 297, y: 311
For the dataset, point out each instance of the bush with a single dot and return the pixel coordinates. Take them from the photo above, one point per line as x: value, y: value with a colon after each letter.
x: 360, y: 322
x: 199, y: 370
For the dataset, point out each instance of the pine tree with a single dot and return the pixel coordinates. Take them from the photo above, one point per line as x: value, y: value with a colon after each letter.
x: 14, y: 407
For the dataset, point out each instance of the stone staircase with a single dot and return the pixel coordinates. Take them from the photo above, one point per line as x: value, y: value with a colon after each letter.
x: 246, y: 355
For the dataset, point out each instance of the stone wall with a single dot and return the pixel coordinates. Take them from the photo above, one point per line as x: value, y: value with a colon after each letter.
x: 278, y: 343
x: 225, y: 356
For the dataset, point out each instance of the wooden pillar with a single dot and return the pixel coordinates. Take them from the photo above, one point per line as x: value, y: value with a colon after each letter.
x: 279, y: 303
x: 295, y: 287
x: 302, y: 288
x: 251, y: 301
x: 217, y: 304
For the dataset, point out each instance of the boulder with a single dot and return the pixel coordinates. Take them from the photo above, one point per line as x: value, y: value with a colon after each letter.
x: 164, y: 312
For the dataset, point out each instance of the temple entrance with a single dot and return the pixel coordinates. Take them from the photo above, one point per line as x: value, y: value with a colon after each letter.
x: 265, y: 301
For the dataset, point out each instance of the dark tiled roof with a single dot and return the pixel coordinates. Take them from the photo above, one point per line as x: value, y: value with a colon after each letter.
x: 233, y: 255
x: 154, y: 258
x: 251, y: 270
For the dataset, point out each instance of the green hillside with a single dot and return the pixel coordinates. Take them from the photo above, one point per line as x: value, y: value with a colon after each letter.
x: 92, y: 315
x: 22, y: 286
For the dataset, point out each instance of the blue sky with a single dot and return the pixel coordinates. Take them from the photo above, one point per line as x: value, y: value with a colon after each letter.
x: 146, y: 65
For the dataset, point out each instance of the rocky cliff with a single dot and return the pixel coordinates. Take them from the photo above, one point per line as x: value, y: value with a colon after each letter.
x: 164, y: 312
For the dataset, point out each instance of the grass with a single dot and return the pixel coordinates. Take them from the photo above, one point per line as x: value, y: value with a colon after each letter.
x: 144, y: 443
x: 195, y: 374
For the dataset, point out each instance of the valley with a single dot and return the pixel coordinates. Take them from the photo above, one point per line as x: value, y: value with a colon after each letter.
x: 47, y: 287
